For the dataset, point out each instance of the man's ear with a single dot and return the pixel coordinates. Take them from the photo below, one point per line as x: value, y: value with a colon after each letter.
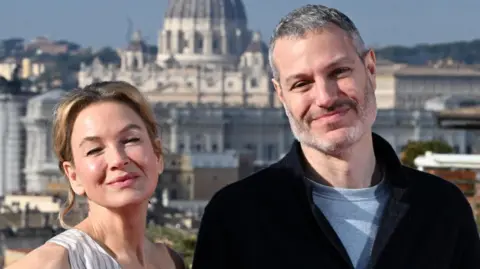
x: 371, y: 66
x: 72, y: 177
x: 278, y: 89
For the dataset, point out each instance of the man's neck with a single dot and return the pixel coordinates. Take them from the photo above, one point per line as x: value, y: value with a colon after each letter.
x: 355, y: 169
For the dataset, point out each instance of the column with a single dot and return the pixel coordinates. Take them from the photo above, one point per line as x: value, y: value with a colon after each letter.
x: 224, y: 45
x: 221, y: 142
x: 3, y: 142
x: 139, y: 57
x: 14, y: 147
x: 188, y: 142
x: 191, y: 41
x: 33, y: 180
x: 161, y: 42
x: 174, y: 137
x: 463, y: 142
x: 174, y: 46
x: 123, y: 63
x: 208, y: 142
x: 208, y: 43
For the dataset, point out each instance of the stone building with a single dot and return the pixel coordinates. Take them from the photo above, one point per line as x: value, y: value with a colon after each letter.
x: 197, y: 176
x: 209, y: 85
x: 206, y: 130
x: 41, y: 167
x: 411, y: 87
x: 13, y: 100
x: 206, y: 54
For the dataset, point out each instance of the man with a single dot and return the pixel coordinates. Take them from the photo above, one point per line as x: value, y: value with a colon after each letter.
x: 340, y: 198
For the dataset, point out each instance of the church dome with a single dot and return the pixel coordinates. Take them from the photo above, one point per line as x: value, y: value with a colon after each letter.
x: 232, y: 10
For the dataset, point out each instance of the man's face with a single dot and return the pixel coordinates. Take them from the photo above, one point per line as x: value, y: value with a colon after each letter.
x: 326, y: 89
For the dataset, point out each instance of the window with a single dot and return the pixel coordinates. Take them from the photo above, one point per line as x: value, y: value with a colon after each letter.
x: 169, y: 40
x: 216, y: 45
x: 181, y: 147
x: 469, y: 150
x: 253, y: 83
x: 173, y: 194
x: 199, y: 43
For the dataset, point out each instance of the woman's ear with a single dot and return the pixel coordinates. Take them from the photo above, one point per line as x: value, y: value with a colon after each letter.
x: 75, y: 181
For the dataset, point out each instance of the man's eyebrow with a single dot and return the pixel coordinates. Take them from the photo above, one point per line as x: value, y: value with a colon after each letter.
x: 341, y: 59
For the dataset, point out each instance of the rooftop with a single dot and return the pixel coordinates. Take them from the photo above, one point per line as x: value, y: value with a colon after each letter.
x: 425, y: 70
x: 460, y: 118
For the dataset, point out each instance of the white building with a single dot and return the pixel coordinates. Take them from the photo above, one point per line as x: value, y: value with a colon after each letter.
x: 41, y: 165
x: 208, y: 129
x: 410, y: 87
x: 12, y: 136
x: 211, y: 91
x: 206, y: 54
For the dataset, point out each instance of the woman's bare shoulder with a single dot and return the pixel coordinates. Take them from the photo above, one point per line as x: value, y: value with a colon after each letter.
x: 47, y: 256
x: 168, y: 253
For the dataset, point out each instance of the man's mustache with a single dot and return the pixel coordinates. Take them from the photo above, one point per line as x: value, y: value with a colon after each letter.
x: 336, y: 105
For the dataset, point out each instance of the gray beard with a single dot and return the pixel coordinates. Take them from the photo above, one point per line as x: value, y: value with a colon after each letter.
x: 367, y: 115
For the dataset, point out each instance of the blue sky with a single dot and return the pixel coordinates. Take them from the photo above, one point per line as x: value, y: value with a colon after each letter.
x: 104, y: 22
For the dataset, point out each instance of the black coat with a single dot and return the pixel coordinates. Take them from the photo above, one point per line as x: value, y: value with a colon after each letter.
x: 268, y: 220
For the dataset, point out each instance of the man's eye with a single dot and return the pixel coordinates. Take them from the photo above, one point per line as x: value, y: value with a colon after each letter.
x: 131, y: 140
x: 339, y: 72
x: 299, y: 84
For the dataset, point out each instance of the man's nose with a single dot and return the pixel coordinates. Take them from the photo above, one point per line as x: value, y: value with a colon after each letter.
x: 325, y: 92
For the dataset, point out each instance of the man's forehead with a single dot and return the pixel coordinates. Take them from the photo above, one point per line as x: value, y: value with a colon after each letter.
x: 322, y: 48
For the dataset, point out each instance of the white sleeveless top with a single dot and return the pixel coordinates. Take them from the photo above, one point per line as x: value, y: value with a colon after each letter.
x: 83, y: 251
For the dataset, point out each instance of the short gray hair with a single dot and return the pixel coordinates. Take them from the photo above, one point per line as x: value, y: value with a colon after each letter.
x: 310, y: 18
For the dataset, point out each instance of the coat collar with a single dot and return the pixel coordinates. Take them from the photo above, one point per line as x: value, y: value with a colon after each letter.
x: 396, y: 208
x: 295, y: 161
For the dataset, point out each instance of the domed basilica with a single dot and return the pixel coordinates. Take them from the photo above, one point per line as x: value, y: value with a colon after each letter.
x: 206, y: 55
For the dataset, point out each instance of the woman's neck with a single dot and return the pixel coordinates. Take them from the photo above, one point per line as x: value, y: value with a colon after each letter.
x: 122, y: 232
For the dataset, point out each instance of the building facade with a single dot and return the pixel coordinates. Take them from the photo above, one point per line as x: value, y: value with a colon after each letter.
x: 203, y: 130
x: 411, y: 87
x: 12, y: 136
x: 206, y: 54
x: 209, y: 85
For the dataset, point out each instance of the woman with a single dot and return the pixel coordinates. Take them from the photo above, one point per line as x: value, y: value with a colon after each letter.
x: 105, y: 138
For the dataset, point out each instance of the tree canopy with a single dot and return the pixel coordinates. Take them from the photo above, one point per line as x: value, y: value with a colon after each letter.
x: 413, y: 149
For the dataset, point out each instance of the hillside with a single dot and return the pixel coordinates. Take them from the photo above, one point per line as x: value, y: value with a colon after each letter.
x: 467, y: 52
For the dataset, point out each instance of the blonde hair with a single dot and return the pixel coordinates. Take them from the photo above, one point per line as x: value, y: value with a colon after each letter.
x: 68, y: 109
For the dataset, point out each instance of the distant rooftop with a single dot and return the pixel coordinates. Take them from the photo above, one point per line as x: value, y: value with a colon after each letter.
x: 465, y: 112
x: 449, y: 102
x: 460, y: 118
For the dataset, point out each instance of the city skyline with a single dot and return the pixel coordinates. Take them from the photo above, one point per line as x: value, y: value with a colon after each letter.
x: 99, y: 24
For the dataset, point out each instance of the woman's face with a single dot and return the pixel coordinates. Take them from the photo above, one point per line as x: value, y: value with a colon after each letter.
x: 115, y: 163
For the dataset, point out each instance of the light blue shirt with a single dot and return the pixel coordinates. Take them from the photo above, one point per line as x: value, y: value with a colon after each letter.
x: 355, y: 216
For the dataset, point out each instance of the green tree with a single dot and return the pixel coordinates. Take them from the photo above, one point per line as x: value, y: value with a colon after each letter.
x: 413, y: 149
x: 179, y: 240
